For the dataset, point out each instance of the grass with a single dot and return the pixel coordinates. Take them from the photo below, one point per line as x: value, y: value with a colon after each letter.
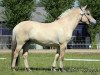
x: 41, y: 64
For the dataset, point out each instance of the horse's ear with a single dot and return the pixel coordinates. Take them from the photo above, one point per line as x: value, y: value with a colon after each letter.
x: 84, y: 8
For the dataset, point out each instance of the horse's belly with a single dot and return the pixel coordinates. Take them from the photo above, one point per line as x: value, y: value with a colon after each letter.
x: 45, y: 40
x: 44, y: 37
x: 49, y: 42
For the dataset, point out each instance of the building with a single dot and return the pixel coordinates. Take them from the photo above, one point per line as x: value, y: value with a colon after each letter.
x: 5, y: 33
x: 81, y: 38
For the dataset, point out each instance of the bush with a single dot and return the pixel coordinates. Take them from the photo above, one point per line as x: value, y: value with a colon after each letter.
x: 17, y: 11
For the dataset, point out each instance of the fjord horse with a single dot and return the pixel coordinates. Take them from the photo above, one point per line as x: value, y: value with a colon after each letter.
x: 57, y: 33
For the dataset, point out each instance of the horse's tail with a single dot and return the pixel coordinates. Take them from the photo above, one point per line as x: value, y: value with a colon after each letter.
x: 14, y: 44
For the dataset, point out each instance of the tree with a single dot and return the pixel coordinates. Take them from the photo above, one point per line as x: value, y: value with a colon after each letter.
x: 94, y: 7
x: 55, y: 7
x: 17, y: 11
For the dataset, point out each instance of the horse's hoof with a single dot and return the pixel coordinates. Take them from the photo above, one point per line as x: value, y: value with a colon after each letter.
x: 53, y: 68
x: 13, y: 68
x: 62, y: 70
x: 28, y: 69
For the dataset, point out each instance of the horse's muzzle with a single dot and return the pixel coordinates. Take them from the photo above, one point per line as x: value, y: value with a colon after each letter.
x: 93, y: 21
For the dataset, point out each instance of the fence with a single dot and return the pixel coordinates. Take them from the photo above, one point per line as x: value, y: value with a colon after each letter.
x: 5, y: 41
x: 79, y: 42
x: 75, y: 43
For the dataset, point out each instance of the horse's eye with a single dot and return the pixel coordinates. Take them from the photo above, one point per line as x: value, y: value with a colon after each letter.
x: 88, y: 14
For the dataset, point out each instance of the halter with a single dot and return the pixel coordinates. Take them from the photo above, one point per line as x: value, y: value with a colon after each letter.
x: 85, y: 15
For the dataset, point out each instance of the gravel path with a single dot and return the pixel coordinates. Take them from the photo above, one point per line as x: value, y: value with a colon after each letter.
x: 54, y: 51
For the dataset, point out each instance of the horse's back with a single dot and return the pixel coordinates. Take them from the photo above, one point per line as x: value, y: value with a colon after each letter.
x: 22, y: 29
x: 24, y: 24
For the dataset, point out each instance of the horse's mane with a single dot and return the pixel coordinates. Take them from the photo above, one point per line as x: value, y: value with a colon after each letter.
x: 65, y: 13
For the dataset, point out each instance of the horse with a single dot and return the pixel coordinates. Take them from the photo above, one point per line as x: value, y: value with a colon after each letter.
x: 57, y: 33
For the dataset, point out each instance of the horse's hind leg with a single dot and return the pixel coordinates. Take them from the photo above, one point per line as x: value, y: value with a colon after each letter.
x: 25, y: 55
x: 15, y: 54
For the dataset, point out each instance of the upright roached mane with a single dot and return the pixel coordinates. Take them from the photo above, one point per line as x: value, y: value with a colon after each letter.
x: 57, y: 33
x: 64, y: 13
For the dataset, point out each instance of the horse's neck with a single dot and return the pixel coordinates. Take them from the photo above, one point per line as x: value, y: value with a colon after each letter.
x: 70, y: 22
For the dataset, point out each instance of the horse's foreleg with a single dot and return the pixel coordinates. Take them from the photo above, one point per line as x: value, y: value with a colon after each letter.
x: 62, y: 52
x: 61, y: 58
x: 53, y: 68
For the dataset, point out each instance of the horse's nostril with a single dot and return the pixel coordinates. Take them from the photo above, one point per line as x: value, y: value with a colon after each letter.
x: 93, y: 21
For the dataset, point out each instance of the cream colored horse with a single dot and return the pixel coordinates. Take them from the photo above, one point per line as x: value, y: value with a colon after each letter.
x: 57, y: 33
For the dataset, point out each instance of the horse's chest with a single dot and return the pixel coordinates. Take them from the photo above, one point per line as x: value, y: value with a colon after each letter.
x: 64, y: 37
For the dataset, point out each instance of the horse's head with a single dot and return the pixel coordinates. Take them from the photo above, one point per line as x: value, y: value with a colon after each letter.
x: 86, y: 16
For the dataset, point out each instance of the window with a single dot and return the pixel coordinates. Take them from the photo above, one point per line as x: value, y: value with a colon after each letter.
x: 3, y: 29
x: 79, y: 39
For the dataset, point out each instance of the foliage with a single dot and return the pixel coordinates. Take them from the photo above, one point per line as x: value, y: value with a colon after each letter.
x: 17, y: 11
x: 94, y: 7
x: 55, y: 7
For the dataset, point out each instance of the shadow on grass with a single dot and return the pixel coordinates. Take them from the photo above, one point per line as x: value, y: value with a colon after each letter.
x: 81, y: 69
x: 37, y: 69
x: 67, y: 69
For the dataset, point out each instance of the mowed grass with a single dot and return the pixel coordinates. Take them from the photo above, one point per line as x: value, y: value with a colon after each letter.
x: 40, y: 64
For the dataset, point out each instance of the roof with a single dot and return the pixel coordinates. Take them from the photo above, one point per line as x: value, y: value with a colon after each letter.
x: 39, y: 14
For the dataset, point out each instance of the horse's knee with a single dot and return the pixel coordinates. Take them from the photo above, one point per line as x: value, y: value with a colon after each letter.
x: 62, y: 57
x: 16, y: 54
x: 62, y: 53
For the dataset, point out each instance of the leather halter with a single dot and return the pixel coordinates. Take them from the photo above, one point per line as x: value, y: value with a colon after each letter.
x: 83, y: 15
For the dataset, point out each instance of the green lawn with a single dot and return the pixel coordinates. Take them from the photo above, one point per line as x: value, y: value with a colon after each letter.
x: 41, y: 64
